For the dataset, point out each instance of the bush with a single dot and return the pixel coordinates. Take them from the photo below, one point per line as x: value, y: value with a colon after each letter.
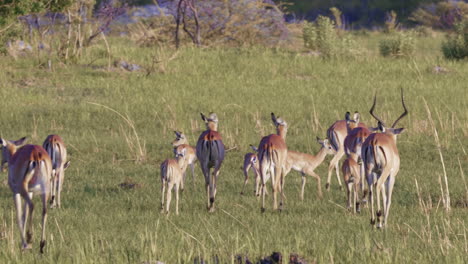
x: 322, y: 36
x: 456, y: 47
x: 399, y: 45
x: 443, y: 15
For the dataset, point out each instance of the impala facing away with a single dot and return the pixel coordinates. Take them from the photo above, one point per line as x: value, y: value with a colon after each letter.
x: 272, y: 154
x: 352, y: 147
x: 352, y: 179
x: 190, y: 156
x: 251, y: 162
x: 171, y: 177
x: 210, y: 153
x: 306, y: 163
x: 29, y: 171
x: 382, y: 163
x: 55, y: 147
x: 337, y: 133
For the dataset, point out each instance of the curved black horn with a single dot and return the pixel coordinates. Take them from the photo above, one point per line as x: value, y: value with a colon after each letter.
x: 404, y: 107
x: 372, y: 111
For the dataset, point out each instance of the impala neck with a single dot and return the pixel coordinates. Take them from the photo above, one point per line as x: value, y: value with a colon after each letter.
x: 320, y: 157
x: 282, y: 131
x: 212, y: 126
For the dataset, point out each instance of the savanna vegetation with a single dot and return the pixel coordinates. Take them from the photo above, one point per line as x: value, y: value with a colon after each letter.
x: 118, y: 122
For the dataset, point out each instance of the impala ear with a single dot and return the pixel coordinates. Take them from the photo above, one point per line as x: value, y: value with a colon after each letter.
x: 319, y: 140
x: 273, y: 118
x: 3, y: 142
x: 356, y: 117
x: 203, y: 117
x: 347, y: 116
x: 20, y: 141
x: 396, y: 131
x: 67, y: 164
x: 373, y: 129
x: 254, y: 148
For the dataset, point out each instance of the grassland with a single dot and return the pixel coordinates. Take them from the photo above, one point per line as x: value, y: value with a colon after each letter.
x: 103, y: 223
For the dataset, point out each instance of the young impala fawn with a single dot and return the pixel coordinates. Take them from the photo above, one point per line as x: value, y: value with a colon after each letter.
x: 306, y: 163
x: 337, y: 133
x: 210, y: 153
x: 55, y: 147
x: 251, y: 162
x: 172, y: 176
x: 190, y: 156
x: 29, y: 171
x: 352, y: 146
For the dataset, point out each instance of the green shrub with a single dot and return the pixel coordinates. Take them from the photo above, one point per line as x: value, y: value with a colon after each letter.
x: 322, y: 36
x: 400, y: 44
x: 456, y: 46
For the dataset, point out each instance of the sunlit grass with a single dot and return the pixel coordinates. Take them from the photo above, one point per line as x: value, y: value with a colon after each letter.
x: 102, y: 223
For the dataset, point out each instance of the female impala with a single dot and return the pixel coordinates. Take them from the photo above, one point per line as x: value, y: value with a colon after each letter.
x: 210, y: 153
x: 352, y: 178
x: 55, y: 147
x: 382, y: 163
x: 337, y: 133
x: 171, y: 177
x: 306, y: 163
x: 190, y: 156
x: 29, y: 170
x: 272, y: 154
x: 251, y: 162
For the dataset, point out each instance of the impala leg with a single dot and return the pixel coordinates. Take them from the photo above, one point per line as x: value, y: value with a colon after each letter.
x: 370, y: 185
x: 391, y: 182
x: 19, y: 219
x: 349, y: 188
x: 29, y: 232
x: 59, y: 188
x: 334, y: 165
x: 381, y: 184
x: 274, y: 182
x: 163, y: 189
x: 182, y: 182
x: 246, y: 178
x: 192, y: 167
x: 44, y: 198
x: 170, y: 186
x: 263, y: 176
x: 319, y: 183
x: 213, y: 188
x: 53, y: 191
x: 281, y: 186
x: 303, y: 185
x: 177, y: 199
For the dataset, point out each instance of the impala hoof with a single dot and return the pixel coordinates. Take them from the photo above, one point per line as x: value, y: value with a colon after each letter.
x: 372, y: 221
x: 43, y: 244
x: 327, y: 186
x: 262, y: 209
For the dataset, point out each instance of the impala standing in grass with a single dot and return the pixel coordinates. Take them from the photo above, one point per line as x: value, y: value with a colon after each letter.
x: 251, y: 162
x: 29, y: 171
x: 190, y: 156
x: 172, y: 171
x: 337, y: 133
x: 272, y: 154
x: 55, y: 147
x: 306, y: 164
x: 382, y: 163
x: 210, y: 153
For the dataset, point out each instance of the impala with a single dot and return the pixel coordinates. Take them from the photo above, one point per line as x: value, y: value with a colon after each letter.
x: 190, y: 156
x: 172, y: 176
x: 306, y: 163
x: 29, y: 171
x: 337, y: 133
x: 251, y: 162
x: 55, y: 147
x: 382, y: 163
x: 352, y: 179
x: 210, y: 153
x: 272, y: 154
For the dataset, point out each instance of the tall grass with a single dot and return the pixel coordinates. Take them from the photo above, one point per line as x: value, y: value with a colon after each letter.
x: 103, y: 223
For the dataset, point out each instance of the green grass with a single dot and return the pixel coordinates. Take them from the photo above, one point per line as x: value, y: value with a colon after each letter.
x: 102, y: 223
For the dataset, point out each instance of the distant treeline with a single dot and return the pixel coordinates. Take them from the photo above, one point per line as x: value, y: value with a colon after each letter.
x: 356, y: 13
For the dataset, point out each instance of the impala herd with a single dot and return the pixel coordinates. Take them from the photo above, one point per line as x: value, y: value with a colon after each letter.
x: 371, y: 155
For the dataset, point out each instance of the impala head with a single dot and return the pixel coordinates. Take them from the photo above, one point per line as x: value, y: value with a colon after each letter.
x: 211, y: 121
x: 381, y: 125
x: 9, y: 148
x: 180, y: 139
x: 281, y: 125
x: 180, y: 153
x: 326, y: 146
